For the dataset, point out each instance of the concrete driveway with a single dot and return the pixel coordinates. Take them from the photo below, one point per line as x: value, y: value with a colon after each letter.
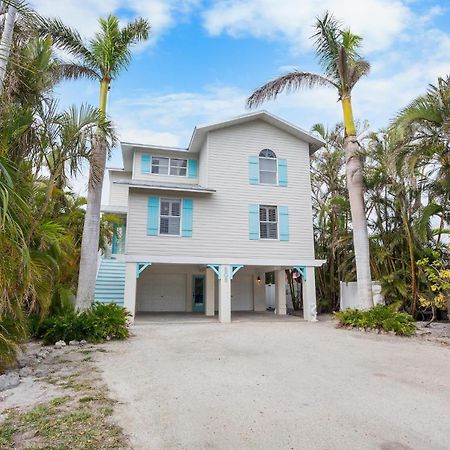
x: 262, y: 383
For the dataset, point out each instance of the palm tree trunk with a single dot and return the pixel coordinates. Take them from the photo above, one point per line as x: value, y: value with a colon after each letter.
x: 6, y: 43
x: 355, y: 186
x: 91, y: 229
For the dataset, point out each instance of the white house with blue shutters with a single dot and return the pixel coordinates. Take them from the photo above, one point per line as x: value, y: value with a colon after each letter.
x: 202, y: 225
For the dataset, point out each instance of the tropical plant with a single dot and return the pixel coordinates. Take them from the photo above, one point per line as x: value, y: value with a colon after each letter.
x: 381, y: 317
x: 437, y: 295
x: 102, y: 59
x: 423, y: 134
x: 337, y: 49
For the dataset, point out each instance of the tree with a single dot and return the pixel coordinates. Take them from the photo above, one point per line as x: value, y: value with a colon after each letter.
x: 343, y: 67
x: 14, y: 6
x: 102, y: 59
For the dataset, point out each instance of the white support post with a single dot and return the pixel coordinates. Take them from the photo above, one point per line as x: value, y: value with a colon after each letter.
x: 225, y: 294
x: 210, y: 292
x: 259, y: 292
x: 309, y: 296
x: 280, y: 292
x: 130, y: 288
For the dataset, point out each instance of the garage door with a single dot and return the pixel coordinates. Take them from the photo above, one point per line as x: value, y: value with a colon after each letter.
x: 162, y: 293
x: 242, y: 293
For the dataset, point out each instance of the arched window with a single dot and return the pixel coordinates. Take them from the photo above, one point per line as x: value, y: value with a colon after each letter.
x: 267, y: 167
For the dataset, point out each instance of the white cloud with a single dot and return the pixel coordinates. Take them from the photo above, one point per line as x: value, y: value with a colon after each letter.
x: 380, y: 21
x: 83, y: 15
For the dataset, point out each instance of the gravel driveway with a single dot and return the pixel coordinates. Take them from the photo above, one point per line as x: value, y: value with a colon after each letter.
x: 266, y: 383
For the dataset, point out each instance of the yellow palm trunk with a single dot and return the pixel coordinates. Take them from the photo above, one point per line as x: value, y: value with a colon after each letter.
x: 349, y: 121
x: 104, y: 89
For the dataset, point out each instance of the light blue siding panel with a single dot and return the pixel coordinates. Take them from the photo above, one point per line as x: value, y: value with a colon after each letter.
x: 110, y: 283
x: 187, y: 216
x: 253, y: 222
x: 146, y: 164
x: 282, y: 172
x: 253, y: 170
x: 153, y: 216
x: 284, y: 222
x: 192, y: 168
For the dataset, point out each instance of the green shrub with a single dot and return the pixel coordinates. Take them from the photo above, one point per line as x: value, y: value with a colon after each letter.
x: 104, y: 320
x: 380, y: 317
x: 100, y: 322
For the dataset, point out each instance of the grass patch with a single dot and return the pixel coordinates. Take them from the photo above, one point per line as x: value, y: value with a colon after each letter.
x: 6, y: 434
x: 65, y: 423
x: 381, y: 317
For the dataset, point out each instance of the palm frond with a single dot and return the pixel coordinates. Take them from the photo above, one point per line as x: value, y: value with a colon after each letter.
x: 136, y: 31
x: 65, y: 38
x: 358, y: 69
x: 21, y: 6
x: 72, y: 71
x: 289, y: 82
x: 327, y: 44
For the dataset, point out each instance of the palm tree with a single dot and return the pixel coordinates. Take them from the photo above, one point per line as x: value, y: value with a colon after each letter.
x: 102, y: 59
x: 343, y: 67
x: 14, y: 6
x: 423, y: 131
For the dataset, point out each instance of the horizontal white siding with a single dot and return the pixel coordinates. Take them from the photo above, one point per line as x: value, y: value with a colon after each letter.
x: 138, y: 175
x: 220, y: 220
x: 118, y: 194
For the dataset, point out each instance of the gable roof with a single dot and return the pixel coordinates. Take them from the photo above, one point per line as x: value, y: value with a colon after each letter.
x: 201, y: 131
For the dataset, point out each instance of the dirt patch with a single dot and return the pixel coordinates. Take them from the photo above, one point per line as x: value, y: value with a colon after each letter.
x: 438, y: 332
x: 63, y: 404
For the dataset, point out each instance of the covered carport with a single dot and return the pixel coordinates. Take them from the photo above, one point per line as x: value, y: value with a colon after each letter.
x: 210, y: 289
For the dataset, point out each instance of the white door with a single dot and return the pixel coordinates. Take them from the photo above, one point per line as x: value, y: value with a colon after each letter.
x: 163, y: 293
x: 242, y: 292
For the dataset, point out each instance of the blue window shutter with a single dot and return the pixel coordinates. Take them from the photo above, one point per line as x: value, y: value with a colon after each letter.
x: 186, y: 218
x: 153, y: 216
x: 253, y: 170
x: 192, y: 168
x: 253, y: 222
x: 282, y: 173
x: 283, y: 219
x: 146, y: 164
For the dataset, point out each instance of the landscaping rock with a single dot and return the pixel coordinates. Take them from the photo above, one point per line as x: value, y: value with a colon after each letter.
x: 74, y: 343
x: 9, y: 380
x: 25, y: 372
x: 42, y: 354
x: 83, y: 342
x: 60, y: 344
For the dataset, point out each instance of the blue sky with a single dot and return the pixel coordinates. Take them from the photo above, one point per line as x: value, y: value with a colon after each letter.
x: 205, y: 57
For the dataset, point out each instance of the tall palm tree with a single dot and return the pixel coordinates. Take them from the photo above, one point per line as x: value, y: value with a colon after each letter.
x: 343, y: 67
x: 102, y: 59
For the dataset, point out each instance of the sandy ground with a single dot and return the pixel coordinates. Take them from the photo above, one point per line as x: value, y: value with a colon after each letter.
x: 269, y: 384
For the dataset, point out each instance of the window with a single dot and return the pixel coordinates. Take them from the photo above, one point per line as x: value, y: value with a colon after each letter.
x: 169, y: 166
x: 170, y: 217
x: 160, y: 165
x: 267, y: 167
x: 178, y: 167
x: 268, y: 222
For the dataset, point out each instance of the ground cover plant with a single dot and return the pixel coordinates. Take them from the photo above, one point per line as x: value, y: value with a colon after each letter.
x: 381, y: 317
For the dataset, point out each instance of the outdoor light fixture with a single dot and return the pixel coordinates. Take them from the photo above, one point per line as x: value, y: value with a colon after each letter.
x: 258, y: 280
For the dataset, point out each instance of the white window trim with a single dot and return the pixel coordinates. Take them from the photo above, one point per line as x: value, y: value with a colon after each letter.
x: 277, y: 222
x: 168, y: 174
x: 276, y: 172
x: 181, y: 216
